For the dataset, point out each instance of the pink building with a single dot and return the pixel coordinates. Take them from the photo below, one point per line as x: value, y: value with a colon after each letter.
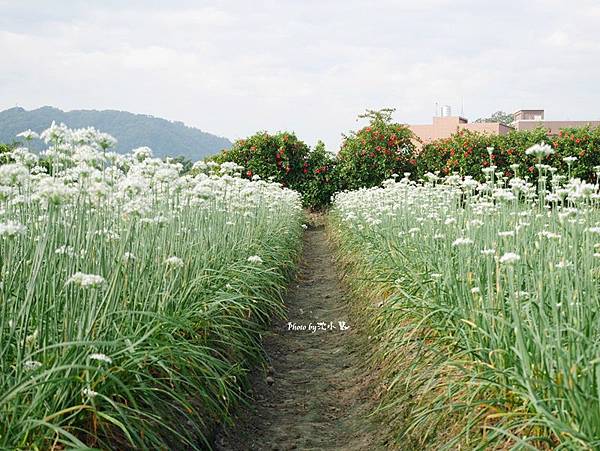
x: 443, y: 127
x: 446, y: 125
x: 530, y: 119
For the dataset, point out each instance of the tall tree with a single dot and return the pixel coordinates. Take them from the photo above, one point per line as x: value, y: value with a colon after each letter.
x: 498, y: 116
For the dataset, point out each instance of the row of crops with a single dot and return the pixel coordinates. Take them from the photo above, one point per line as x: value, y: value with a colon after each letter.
x: 483, y: 305
x: 132, y: 298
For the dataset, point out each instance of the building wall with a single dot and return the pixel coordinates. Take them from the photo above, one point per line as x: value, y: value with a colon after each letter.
x: 493, y: 128
x: 537, y: 115
x: 424, y: 132
x: 443, y: 127
x: 554, y: 126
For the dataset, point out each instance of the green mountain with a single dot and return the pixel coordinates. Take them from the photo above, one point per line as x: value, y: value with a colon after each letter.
x: 165, y: 138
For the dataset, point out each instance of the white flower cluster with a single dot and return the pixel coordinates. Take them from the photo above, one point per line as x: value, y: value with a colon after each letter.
x: 83, y: 174
x: 12, y: 229
x: 174, y: 261
x: 86, y: 280
x: 540, y: 150
x: 509, y: 258
x: 510, y: 220
x: 255, y: 259
x: 100, y: 357
x: 91, y: 241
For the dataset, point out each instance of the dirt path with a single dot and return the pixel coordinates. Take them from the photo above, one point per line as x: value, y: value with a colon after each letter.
x: 316, y: 394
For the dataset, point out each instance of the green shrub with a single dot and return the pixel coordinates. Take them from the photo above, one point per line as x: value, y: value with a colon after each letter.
x: 284, y: 158
x: 382, y: 148
x: 375, y: 152
x: 281, y: 156
x: 321, y: 178
x: 582, y: 143
x: 466, y: 153
x: 5, y: 150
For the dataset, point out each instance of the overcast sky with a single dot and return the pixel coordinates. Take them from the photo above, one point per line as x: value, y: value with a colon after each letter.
x: 236, y: 67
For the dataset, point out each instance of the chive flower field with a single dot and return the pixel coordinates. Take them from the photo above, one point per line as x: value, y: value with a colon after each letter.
x: 483, y: 304
x: 132, y: 298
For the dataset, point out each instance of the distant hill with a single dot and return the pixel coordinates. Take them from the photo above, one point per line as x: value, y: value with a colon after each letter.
x: 164, y: 137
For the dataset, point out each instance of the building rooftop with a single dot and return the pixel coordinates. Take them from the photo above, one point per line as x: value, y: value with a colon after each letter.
x: 531, y: 119
x: 529, y: 115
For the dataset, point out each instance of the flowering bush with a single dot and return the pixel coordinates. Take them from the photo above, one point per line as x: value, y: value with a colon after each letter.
x: 375, y: 152
x: 321, y: 179
x: 469, y: 153
x: 283, y: 158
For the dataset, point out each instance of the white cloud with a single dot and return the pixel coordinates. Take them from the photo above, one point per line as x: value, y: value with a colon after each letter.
x: 558, y: 39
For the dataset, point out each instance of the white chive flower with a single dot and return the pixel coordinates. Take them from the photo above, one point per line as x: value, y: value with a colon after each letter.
x: 28, y: 135
x: 174, y: 261
x: 255, y: 259
x: 89, y: 393
x: 128, y: 257
x: 100, y: 357
x: 509, y: 258
x: 86, y: 280
x: 11, y: 229
x: 462, y: 242
x: 540, y: 150
x: 31, y: 365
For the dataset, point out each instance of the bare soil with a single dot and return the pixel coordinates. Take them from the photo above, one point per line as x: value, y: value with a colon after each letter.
x: 316, y: 392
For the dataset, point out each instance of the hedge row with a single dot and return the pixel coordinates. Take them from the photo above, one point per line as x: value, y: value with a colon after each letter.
x: 466, y: 153
x: 367, y: 157
x: 383, y: 148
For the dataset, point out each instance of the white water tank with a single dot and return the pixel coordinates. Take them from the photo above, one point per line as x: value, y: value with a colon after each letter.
x: 446, y: 111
